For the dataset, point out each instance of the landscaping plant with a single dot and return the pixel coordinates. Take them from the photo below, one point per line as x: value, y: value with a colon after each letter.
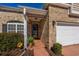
x: 57, y: 48
x: 9, y: 41
x: 20, y: 45
x: 30, y: 41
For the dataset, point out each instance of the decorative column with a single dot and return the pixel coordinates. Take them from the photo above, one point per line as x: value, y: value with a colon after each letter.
x: 25, y: 28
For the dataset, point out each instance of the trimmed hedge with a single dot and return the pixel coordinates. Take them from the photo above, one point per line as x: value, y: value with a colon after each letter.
x: 9, y: 41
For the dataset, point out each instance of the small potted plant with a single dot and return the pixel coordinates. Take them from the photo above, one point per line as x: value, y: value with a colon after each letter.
x: 30, y: 45
x: 30, y: 41
x: 57, y: 49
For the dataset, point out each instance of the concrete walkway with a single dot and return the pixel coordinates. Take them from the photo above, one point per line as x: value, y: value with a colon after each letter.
x: 39, y: 49
x: 72, y: 50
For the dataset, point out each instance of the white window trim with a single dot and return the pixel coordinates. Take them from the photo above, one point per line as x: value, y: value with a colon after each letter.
x: 14, y: 24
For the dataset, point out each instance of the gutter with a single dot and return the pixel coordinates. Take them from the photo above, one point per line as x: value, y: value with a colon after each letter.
x: 31, y: 8
x: 62, y: 5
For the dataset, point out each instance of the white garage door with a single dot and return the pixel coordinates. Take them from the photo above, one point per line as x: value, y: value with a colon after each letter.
x: 67, y: 33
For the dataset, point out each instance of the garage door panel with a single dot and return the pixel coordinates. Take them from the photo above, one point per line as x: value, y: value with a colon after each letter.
x: 67, y: 35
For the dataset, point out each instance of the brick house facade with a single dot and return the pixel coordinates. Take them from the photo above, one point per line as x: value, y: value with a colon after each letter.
x: 59, y: 13
x: 45, y: 20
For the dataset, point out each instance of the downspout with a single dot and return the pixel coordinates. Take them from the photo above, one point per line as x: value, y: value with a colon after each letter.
x: 71, y: 6
x: 25, y: 28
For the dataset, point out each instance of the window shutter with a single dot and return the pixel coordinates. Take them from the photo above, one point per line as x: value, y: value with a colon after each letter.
x: 4, y: 27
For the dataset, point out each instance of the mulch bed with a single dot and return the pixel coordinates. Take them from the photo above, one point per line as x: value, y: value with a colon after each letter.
x: 15, y: 52
x: 29, y: 52
x: 18, y: 52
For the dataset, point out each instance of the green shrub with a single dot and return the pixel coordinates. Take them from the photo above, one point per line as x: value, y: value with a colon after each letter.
x: 57, y: 48
x: 9, y: 41
x: 30, y: 39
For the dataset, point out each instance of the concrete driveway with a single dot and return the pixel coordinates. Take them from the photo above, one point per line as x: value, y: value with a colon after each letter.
x: 71, y: 50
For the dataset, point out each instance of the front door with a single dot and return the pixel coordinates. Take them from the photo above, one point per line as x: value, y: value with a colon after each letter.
x: 35, y: 31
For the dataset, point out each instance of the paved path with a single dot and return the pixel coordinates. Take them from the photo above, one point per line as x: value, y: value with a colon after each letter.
x: 39, y: 49
x: 72, y: 50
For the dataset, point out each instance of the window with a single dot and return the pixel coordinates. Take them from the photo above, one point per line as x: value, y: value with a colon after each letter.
x: 15, y: 27
x: 11, y: 27
x: 20, y: 28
